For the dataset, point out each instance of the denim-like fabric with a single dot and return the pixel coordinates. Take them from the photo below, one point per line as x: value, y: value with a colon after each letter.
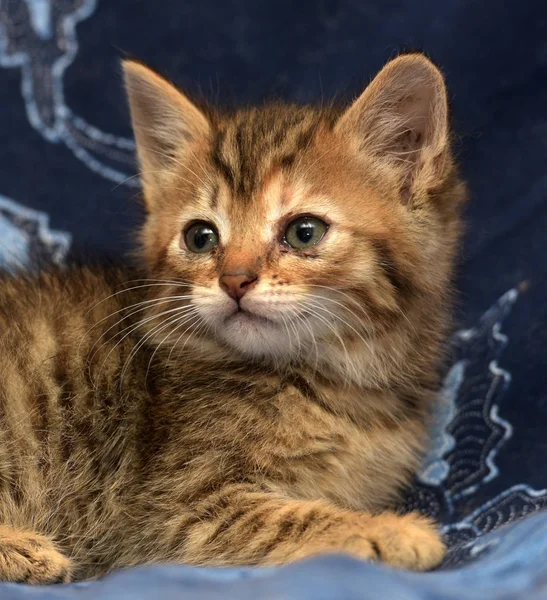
x: 66, y: 182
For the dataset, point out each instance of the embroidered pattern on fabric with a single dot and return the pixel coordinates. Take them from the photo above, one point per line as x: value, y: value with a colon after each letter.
x: 39, y: 37
x: 469, y: 432
x: 26, y: 240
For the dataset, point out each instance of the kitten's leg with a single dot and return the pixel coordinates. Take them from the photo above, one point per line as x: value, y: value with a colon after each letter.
x: 31, y: 558
x: 257, y: 528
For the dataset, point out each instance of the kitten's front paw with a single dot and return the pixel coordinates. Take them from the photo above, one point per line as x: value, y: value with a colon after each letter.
x: 31, y: 558
x: 409, y: 541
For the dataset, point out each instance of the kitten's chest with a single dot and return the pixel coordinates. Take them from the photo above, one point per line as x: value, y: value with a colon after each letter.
x: 286, y: 438
x: 312, y: 453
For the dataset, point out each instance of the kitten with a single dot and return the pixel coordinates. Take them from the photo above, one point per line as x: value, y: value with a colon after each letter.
x: 258, y: 394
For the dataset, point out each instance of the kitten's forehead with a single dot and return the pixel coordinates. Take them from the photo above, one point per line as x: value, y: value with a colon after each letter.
x: 252, y: 144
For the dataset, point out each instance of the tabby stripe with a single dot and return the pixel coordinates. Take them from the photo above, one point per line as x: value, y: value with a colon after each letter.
x: 285, y: 529
x: 375, y: 548
x: 304, y: 138
x: 308, y: 520
x: 288, y: 160
x: 256, y: 520
x: 219, y: 162
x: 381, y: 316
x: 330, y: 521
x: 248, y: 167
x: 250, y: 520
x: 413, y: 404
x: 226, y: 525
x: 213, y: 505
x: 392, y: 271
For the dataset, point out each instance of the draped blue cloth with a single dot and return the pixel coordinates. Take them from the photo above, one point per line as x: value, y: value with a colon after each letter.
x: 67, y: 188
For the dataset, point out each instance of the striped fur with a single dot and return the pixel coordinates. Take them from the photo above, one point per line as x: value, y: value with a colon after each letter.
x: 129, y: 437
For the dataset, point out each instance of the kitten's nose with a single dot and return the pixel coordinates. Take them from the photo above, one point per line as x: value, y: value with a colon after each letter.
x: 236, y: 285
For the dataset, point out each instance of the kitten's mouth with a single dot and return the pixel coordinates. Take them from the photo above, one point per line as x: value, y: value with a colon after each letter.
x: 254, y: 335
x: 244, y: 316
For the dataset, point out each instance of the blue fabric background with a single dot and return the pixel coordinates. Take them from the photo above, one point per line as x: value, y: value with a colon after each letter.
x: 66, y: 182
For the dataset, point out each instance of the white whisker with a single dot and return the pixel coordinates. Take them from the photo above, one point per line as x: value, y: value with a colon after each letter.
x: 190, y: 316
x: 144, y: 305
x: 154, y: 331
x: 349, y: 362
x: 137, y: 287
x: 133, y: 328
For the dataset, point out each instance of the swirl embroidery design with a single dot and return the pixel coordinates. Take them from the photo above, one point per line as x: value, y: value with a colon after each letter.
x: 469, y: 432
x: 26, y: 240
x: 39, y: 37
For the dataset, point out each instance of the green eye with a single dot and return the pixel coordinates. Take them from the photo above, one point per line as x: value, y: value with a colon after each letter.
x: 305, y: 232
x: 201, y: 237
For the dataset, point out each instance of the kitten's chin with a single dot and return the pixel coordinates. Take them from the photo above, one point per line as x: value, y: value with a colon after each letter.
x: 255, y: 336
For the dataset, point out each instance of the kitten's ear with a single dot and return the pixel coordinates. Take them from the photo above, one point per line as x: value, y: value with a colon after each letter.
x: 402, y: 119
x: 163, y: 120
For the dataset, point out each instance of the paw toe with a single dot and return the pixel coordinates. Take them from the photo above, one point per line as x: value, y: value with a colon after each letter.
x: 410, y: 541
x: 28, y: 558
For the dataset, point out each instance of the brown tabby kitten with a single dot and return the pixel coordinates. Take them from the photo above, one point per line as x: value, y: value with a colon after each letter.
x: 259, y: 394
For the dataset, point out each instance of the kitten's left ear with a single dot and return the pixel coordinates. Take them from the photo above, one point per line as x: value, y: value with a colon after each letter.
x: 164, y: 122
x: 402, y: 119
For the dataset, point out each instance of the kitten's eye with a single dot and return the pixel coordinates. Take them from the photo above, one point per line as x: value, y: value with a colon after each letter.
x: 305, y: 232
x: 201, y: 237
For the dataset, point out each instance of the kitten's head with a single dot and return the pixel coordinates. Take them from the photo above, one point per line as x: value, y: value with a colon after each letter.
x: 287, y: 231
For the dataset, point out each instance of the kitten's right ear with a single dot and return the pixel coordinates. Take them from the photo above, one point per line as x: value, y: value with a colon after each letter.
x: 402, y: 119
x: 163, y: 120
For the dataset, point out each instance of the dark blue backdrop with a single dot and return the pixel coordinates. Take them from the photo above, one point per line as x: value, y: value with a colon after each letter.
x: 66, y: 152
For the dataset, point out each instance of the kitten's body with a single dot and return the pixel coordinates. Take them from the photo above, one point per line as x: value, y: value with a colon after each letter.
x: 117, y: 473
x: 211, y: 444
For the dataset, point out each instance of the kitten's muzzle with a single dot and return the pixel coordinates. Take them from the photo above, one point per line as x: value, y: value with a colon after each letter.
x: 236, y: 285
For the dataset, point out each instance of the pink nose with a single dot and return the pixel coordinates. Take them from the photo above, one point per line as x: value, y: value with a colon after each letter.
x: 236, y: 285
